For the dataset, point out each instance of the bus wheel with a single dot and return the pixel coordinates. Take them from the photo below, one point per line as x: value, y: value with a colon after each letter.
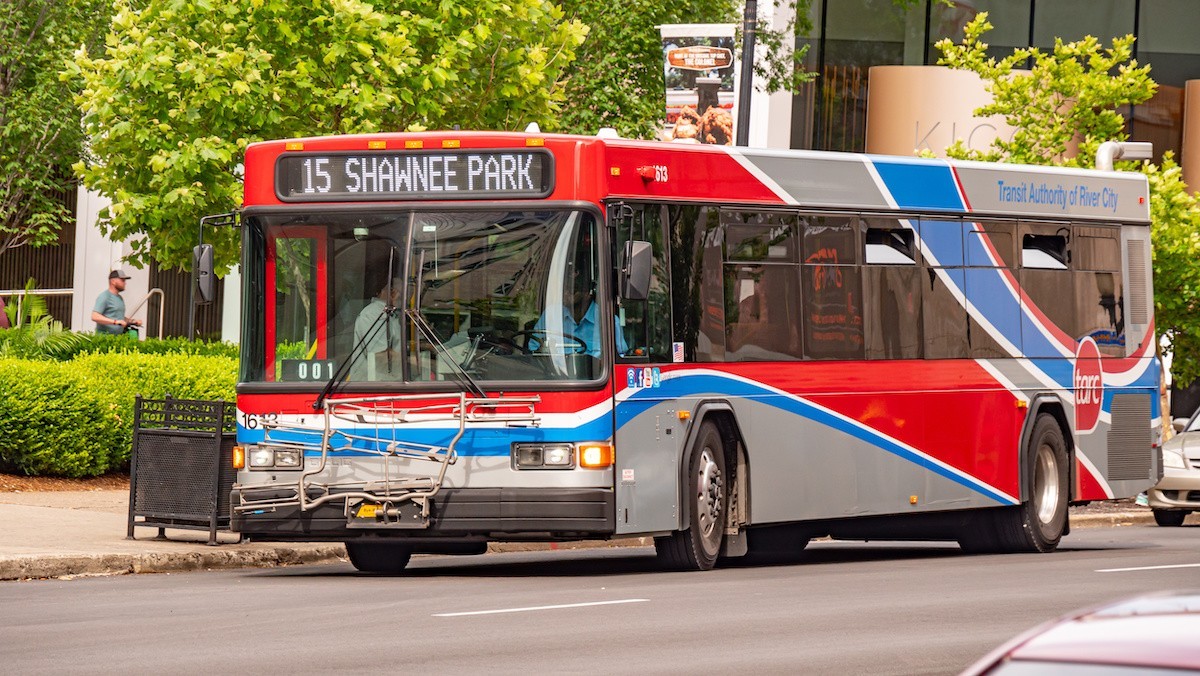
x: 379, y: 557
x: 1039, y: 523
x: 697, y: 547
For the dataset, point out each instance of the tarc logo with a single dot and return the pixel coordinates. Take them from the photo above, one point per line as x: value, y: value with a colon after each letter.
x: 1089, y: 386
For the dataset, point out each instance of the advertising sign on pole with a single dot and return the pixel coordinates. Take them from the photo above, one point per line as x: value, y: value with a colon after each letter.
x: 698, y: 66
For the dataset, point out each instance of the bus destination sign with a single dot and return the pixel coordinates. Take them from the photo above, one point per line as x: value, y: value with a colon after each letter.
x: 419, y: 174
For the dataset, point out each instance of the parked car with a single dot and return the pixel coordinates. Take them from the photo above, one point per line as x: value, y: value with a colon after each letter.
x: 1153, y: 635
x: 1178, y: 493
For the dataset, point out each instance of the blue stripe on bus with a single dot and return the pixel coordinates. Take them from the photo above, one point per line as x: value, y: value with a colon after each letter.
x: 479, y: 442
x: 919, y: 184
x: 693, y: 385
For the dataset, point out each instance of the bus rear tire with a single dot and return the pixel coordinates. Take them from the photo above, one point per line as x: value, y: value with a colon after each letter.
x: 378, y: 557
x: 1038, y: 524
x: 698, y: 547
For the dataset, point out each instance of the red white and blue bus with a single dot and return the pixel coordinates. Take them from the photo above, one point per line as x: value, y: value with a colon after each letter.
x: 455, y: 338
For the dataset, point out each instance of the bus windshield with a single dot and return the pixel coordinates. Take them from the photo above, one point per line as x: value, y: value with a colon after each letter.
x: 503, y: 295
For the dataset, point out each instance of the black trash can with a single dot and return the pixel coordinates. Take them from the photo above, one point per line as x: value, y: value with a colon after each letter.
x: 181, y: 468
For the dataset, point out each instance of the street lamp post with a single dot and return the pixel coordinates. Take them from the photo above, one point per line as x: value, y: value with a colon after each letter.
x: 746, y: 87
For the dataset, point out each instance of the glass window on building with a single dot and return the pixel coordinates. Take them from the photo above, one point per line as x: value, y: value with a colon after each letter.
x: 1172, y: 48
x: 1074, y: 19
x: 856, y: 34
x: 1010, y: 19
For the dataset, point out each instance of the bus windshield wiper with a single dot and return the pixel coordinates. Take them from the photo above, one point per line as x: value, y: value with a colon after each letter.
x: 358, y: 350
x: 460, y: 374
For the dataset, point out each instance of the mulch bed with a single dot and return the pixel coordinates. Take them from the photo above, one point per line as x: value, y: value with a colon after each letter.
x: 16, y: 483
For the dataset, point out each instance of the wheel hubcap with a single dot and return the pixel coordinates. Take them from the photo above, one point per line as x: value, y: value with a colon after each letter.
x: 1045, y: 483
x: 709, y: 493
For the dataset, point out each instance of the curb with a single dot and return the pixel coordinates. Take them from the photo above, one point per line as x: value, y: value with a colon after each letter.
x: 67, y: 567
x: 1112, y: 519
x: 34, y: 567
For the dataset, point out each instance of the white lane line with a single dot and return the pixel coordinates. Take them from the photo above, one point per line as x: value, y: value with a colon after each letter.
x: 1125, y: 570
x: 532, y: 608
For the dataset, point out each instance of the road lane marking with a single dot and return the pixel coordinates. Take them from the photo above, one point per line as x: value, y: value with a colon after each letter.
x: 1125, y: 570
x: 532, y: 608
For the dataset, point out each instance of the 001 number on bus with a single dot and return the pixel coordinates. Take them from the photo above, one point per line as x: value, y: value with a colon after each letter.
x: 306, y: 370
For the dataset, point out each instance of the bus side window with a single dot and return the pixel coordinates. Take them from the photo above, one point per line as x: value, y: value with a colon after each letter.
x: 1099, y: 305
x: 646, y: 324
x: 697, y: 294
x: 831, y: 287
x: 1048, y: 284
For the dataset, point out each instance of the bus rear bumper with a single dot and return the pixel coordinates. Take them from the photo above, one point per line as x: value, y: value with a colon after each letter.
x: 455, y: 513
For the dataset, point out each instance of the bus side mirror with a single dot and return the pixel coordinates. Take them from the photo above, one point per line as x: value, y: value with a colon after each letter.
x: 635, y: 270
x: 206, y: 282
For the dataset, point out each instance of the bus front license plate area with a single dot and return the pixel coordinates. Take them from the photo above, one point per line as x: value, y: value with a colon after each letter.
x: 401, y: 515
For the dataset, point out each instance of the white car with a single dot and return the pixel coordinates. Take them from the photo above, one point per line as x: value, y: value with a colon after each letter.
x: 1178, y: 493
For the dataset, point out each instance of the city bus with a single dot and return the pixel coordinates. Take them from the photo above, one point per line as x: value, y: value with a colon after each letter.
x: 456, y: 338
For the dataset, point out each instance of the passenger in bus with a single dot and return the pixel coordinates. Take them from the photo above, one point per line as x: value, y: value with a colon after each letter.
x: 579, y: 320
x: 379, y: 358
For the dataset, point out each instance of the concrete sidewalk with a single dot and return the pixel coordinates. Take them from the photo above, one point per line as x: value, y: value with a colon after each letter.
x: 70, y: 533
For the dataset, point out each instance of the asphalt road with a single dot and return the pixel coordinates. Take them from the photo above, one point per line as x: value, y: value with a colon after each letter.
x: 838, y: 608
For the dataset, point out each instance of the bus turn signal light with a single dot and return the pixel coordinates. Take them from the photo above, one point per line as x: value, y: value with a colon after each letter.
x: 239, y: 457
x: 595, y: 456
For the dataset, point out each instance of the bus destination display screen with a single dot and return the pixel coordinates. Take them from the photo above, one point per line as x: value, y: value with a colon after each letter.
x: 414, y: 174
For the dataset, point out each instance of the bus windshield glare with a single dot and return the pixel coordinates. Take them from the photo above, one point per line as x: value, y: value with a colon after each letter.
x: 503, y: 295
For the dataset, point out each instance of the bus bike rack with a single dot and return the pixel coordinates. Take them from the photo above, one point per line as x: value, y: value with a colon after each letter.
x: 400, y: 502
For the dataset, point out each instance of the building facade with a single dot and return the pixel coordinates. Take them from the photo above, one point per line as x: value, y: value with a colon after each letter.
x: 851, y: 36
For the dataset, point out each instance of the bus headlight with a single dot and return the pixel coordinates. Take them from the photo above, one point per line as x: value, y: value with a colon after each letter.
x: 556, y: 456
x: 543, y: 456
x: 287, y: 459
x: 262, y: 457
x: 265, y: 457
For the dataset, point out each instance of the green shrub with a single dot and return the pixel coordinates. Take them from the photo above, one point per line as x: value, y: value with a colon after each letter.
x: 101, y: 343
x: 50, y: 423
x: 41, y: 341
x: 75, y: 418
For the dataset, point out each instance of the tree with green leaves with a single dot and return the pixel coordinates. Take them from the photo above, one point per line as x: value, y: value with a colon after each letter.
x: 40, y: 136
x: 182, y: 86
x: 1063, y: 105
x: 618, y: 79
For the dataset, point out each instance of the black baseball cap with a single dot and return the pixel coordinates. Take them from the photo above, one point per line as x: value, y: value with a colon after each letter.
x: 118, y: 274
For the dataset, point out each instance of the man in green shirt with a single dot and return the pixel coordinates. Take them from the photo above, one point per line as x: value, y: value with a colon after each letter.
x: 109, y: 312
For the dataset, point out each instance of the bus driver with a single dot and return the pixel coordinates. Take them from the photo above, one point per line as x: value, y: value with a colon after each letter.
x: 578, y: 320
x: 382, y: 336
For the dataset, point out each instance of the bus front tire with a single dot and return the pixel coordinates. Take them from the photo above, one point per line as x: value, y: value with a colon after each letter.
x: 697, y: 547
x: 378, y: 557
x: 1038, y: 524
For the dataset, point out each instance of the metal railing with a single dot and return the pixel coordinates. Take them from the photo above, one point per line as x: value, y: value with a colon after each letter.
x: 162, y: 305
x: 21, y: 293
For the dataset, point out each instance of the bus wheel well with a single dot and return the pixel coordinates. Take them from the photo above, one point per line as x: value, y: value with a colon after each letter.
x: 1054, y: 408
x: 737, y: 464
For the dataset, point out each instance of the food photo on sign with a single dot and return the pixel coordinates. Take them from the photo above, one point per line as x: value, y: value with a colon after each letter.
x: 698, y: 71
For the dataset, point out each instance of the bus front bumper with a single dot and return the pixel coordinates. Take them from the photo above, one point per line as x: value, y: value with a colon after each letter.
x: 455, y: 513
